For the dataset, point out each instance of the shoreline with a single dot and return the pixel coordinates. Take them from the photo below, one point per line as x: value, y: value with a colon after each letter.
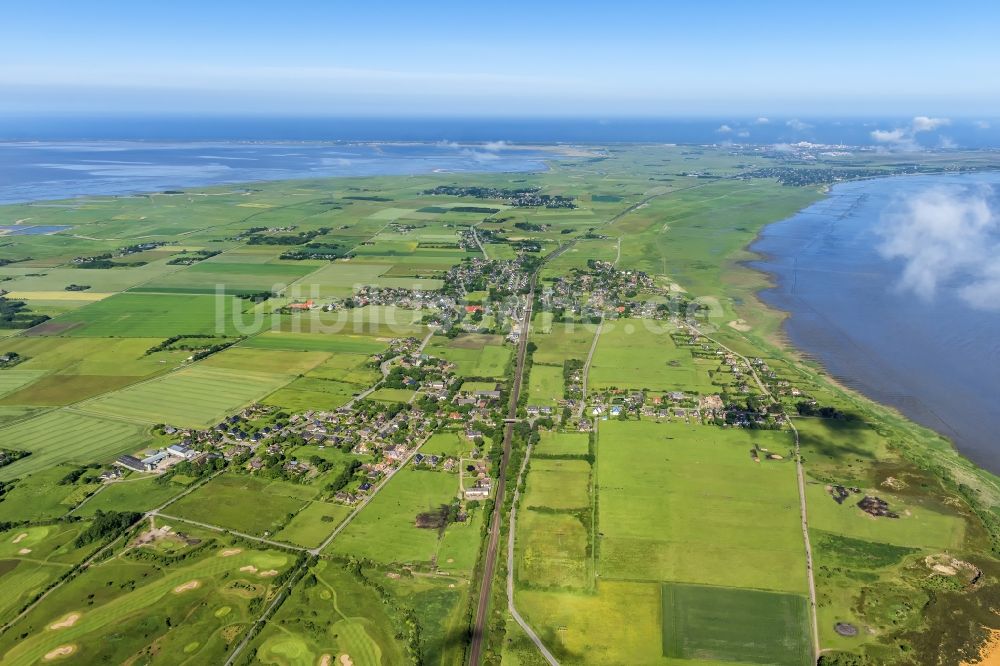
x: 782, y: 339
x: 548, y: 153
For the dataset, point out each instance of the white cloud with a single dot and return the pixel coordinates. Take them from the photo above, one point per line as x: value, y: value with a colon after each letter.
x: 946, y: 237
x: 494, y: 146
x: 743, y: 134
x: 724, y: 129
x: 925, y: 124
x: 798, y: 125
x: 982, y: 124
x: 889, y: 136
x: 762, y: 120
x: 905, y: 138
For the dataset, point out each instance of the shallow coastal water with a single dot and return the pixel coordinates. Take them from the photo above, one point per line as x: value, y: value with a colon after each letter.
x: 894, y: 285
x: 41, y: 171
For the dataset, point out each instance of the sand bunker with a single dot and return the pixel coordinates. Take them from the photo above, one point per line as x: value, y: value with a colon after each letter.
x: 61, y: 651
x: 66, y: 622
x: 325, y: 660
x: 24, y: 551
x: 20, y: 537
x: 249, y: 568
x: 740, y: 325
x: 229, y: 552
x: 345, y: 660
x: 190, y: 585
x: 268, y: 573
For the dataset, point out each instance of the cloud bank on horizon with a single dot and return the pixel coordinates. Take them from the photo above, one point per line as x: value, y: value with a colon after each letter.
x: 905, y: 138
x: 947, y: 237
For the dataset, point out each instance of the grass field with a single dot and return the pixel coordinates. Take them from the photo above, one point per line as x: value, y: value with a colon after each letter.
x: 620, y: 624
x: 136, y: 493
x: 552, y: 551
x: 41, y: 496
x: 336, y: 343
x: 375, y: 320
x: 563, y: 444
x: 313, y: 524
x: 545, y: 385
x: 558, y: 484
x: 726, y: 624
x: 386, y: 532
x: 392, y: 395
x: 154, y: 316
x: 558, y: 342
x: 208, y: 276
x: 448, y: 444
x: 244, y: 503
x: 639, y: 354
x: 64, y: 436
x: 923, y: 526
x: 308, y: 393
x: 194, y: 397
x: 475, y: 355
x: 687, y: 503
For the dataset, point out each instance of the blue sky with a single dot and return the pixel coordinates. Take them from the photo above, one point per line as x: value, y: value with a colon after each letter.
x: 511, y: 59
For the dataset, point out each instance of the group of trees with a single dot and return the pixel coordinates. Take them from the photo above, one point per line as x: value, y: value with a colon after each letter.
x: 17, y: 314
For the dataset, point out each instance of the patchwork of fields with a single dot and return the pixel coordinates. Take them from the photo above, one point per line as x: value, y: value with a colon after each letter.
x: 659, y: 523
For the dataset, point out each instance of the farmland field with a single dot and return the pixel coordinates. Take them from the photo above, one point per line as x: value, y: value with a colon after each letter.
x: 728, y: 624
x: 719, y: 517
x: 64, y: 436
x: 207, y: 276
x: 337, y: 342
x: 553, y: 551
x: 193, y: 397
x: 152, y: 316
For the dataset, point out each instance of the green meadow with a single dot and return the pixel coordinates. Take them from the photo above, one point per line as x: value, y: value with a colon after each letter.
x: 152, y: 316
x: 244, y: 503
x: 386, y: 530
x: 475, y: 355
x: 688, y: 504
